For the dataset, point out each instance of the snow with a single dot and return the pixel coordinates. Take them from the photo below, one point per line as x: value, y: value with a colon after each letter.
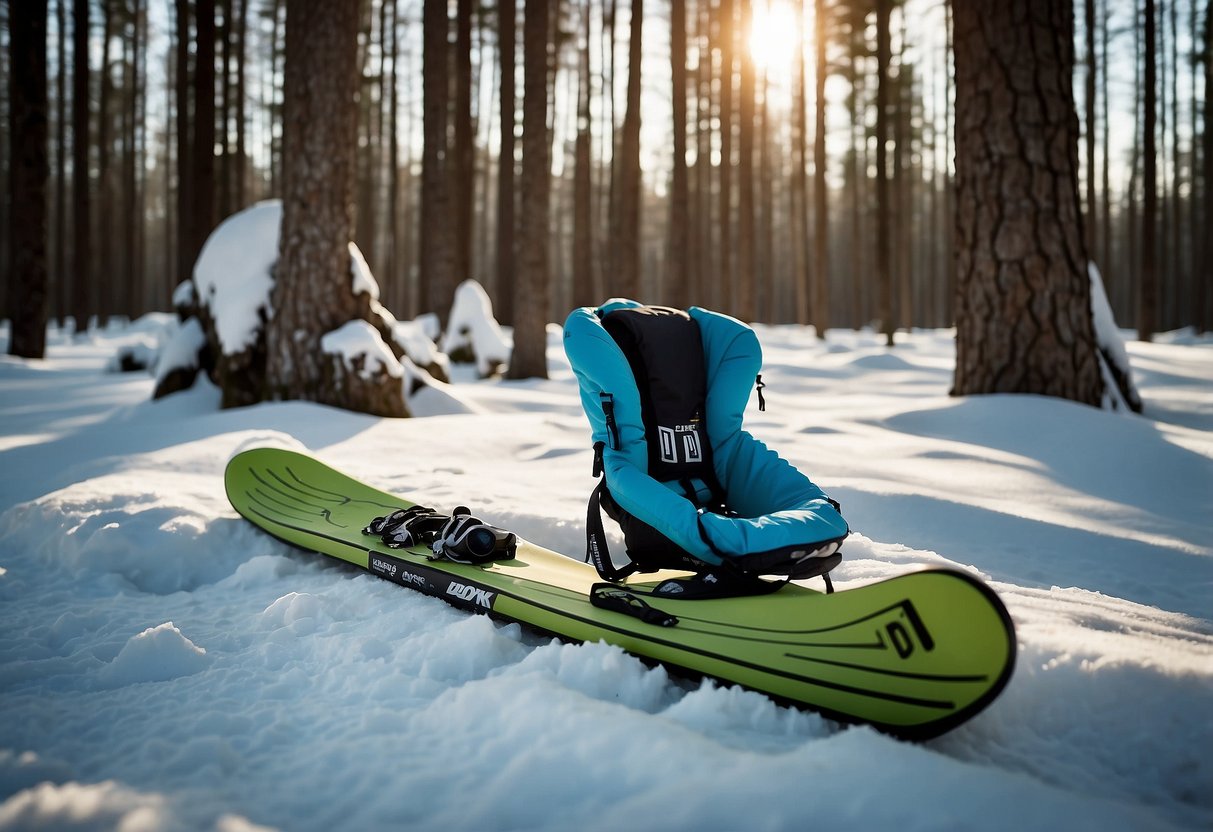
x: 471, y: 326
x: 234, y: 273
x: 165, y: 665
x: 1111, y: 345
x: 181, y: 351
x: 360, y: 272
x: 362, y: 350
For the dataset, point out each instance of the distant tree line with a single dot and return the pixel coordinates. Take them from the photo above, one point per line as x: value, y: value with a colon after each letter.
x: 522, y: 161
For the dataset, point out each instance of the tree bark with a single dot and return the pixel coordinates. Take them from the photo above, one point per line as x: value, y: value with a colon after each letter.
x: 1023, y: 307
x: 583, y: 184
x: 1147, y: 301
x: 202, y: 148
x: 529, y: 358
x: 82, y: 249
x: 464, y: 168
x: 743, y: 299
x: 61, y: 272
x: 505, y: 167
x: 724, y: 218
x: 677, y: 273
x: 803, y: 277
x: 628, y: 272
x: 1092, y: 212
x: 103, y: 300
x: 313, y: 288
x: 884, y: 226
x: 437, y: 240
x: 241, y: 151
x: 820, y: 303
x: 1205, y: 280
x: 29, y: 170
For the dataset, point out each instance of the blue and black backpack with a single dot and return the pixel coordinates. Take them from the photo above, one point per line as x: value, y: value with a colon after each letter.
x: 665, y: 391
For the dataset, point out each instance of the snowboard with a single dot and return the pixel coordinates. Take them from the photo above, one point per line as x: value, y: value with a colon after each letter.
x: 914, y: 655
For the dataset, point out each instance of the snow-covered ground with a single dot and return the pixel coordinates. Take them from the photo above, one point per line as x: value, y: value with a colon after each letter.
x: 164, y: 665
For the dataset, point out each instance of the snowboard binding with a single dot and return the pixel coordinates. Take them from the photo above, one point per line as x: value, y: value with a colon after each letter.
x: 458, y: 537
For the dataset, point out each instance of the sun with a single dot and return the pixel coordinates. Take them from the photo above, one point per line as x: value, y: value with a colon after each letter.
x: 774, y: 36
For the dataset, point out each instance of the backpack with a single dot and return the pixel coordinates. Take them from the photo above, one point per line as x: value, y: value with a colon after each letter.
x: 664, y: 391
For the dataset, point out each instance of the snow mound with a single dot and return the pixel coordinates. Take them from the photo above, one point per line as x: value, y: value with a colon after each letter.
x: 418, y: 344
x: 234, y: 273
x: 21, y: 771
x: 181, y: 351
x: 268, y: 439
x: 471, y: 326
x: 361, y: 349
x: 76, y: 807
x: 158, y: 654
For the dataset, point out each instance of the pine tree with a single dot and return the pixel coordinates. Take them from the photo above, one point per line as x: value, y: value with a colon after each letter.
x: 531, y: 289
x: 1024, y: 320
x: 313, y: 286
x: 29, y: 170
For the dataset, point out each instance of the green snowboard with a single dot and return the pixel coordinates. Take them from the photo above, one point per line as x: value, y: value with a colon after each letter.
x: 913, y: 655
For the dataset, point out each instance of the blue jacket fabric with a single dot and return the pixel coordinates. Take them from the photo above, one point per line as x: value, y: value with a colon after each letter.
x: 777, y: 505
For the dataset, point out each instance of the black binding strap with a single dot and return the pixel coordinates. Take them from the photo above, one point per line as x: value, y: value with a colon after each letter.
x: 596, y: 551
x: 611, y: 597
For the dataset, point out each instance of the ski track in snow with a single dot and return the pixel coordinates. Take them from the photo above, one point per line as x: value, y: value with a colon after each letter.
x: 165, y: 665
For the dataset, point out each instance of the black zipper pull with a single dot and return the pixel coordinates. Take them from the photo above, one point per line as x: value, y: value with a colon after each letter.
x: 762, y: 403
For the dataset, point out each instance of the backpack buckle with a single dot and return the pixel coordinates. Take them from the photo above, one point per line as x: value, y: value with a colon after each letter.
x: 598, y: 465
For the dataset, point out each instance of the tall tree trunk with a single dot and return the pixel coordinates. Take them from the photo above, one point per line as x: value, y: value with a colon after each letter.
x: 1179, y: 263
x: 505, y: 167
x: 765, y: 255
x: 884, y: 273
x: 275, y: 146
x: 132, y: 218
x: 629, y: 166
x: 1205, y: 282
x: 29, y: 170
x: 225, y: 35
x: 105, y: 287
x: 724, y: 234
x: 82, y: 248
x: 820, y: 304
x: 531, y: 286
x: 856, y: 174
x: 802, y: 259
x: 902, y: 197
x: 185, y: 177
x: 1105, y: 260
x: 584, y: 282
x: 1024, y: 321
x: 676, y: 287
x: 703, y: 273
x: 743, y: 303
x: 202, y: 148
x: 313, y: 290
x: 61, y: 274
x: 1092, y: 212
x: 464, y: 168
x: 241, y: 150
x: 1147, y: 304
x: 437, y: 243
x: 392, y: 252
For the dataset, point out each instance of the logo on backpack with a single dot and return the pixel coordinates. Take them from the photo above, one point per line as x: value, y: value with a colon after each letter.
x: 684, y: 438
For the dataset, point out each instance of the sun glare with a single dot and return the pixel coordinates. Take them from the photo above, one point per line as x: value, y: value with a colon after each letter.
x: 774, y: 36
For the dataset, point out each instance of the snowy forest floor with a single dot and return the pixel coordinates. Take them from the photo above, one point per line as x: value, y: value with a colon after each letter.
x: 165, y: 665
